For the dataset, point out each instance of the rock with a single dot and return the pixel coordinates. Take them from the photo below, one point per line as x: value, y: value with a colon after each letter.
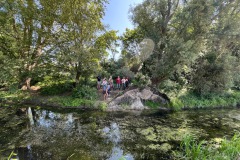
x: 145, y: 94
x: 133, y: 100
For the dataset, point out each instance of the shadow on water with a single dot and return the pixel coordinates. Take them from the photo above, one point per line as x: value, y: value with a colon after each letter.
x: 31, y: 133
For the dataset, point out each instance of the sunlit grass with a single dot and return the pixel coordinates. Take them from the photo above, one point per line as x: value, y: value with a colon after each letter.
x: 14, y: 96
x: 71, y: 102
x: 190, y: 100
x: 193, y: 150
x: 152, y: 104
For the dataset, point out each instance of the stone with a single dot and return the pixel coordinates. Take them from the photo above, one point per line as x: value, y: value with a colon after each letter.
x: 145, y: 94
x: 133, y: 100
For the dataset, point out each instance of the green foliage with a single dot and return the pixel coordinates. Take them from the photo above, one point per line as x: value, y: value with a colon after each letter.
x: 85, y: 92
x: 124, y: 72
x: 51, y: 86
x: 72, y: 102
x: 13, y: 88
x: 37, y: 48
x: 192, y: 100
x: 205, y: 43
x: 193, y: 150
x: 176, y: 104
x: 12, y: 155
x: 152, y: 104
x: 170, y: 87
x: 16, y: 96
x: 103, y: 106
x: 213, y: 75
x: 141, y: 80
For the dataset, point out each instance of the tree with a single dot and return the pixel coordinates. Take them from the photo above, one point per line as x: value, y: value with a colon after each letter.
x: 187, y: 35
x: 40, y: 29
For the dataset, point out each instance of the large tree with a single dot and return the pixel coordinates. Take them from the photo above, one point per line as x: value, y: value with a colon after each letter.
x: 34, y: 31
x: 186, y: 33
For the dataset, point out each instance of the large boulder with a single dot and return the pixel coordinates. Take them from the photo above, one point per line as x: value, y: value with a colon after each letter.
x: 133, y: 100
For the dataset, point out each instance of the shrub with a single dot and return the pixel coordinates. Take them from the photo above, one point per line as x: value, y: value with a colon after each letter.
x: 73, y: 102
x: 55, y: 88
x: 51, y: 86
x: 211, y: 100
x: 103, y: 106
x: 152, y: 104
x: 176, y: 104
x: 141, y: 80
x: 85, y: 92
x: 124, y: 72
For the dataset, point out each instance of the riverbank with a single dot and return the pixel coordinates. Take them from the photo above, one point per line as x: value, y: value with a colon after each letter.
x: 185, y: 102
x: 193, y: 101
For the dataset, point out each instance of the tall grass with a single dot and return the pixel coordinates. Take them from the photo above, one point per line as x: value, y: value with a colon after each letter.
x: 69, y: 101
x: 193, y: 150
x: 191, y: 100
x: 151, y: 104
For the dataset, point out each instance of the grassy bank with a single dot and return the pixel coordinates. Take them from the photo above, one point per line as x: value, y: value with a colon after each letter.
x: 192, y: 101
x: 65, y: 100
x: 87, y: 97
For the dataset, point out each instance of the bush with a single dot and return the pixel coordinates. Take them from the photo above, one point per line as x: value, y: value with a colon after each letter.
x: 176, y: 104
x: 141, y: 80
x: 56, y: 88
x: 124, y: 72
x: 151, y: 104
x: 103, y: 106
x: 72, y: 102
x: 192, y: 100
x: 85, y: 92
x: 51, y: 86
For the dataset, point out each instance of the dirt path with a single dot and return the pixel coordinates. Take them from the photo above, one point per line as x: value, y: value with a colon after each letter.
x: 113, y: 94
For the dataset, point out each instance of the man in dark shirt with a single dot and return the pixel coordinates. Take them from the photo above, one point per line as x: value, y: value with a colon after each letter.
x: 98, y: 82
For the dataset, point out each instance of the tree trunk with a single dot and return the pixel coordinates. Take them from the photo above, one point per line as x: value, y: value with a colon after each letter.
x: 77, y: 79
x: 28, y: 83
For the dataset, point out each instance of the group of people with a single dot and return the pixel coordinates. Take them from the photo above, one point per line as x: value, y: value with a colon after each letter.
x: 107, y: 85
x: 122, y: 83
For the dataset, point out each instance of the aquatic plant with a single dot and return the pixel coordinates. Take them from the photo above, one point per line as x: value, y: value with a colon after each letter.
x: 194, y: 150
x: 10, y: 157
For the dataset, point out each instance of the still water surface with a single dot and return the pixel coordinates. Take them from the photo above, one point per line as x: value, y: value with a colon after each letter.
x: 40, y: 134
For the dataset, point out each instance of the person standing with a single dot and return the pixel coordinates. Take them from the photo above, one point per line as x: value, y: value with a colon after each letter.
x: 126, y: 82
x: 123, y: 83
x: 108, y: 89
x: 105, y: 91
x: 98, y: 82
x: 118, y: 81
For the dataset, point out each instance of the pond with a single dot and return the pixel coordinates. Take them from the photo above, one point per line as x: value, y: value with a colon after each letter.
x: 37, y: 133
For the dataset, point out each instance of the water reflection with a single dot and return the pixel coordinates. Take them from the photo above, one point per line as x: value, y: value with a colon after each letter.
x: 30, y: 116
x: 98, y: 135
x: 113, y: 135
x: 48, y: 119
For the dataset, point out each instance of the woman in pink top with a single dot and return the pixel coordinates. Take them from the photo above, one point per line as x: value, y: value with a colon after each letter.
x: 118, y: 81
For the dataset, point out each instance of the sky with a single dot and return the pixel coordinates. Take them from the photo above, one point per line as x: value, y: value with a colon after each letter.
x: 117, y: 14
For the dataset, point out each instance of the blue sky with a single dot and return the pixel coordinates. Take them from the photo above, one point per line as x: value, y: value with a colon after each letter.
x: 117, y: 14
